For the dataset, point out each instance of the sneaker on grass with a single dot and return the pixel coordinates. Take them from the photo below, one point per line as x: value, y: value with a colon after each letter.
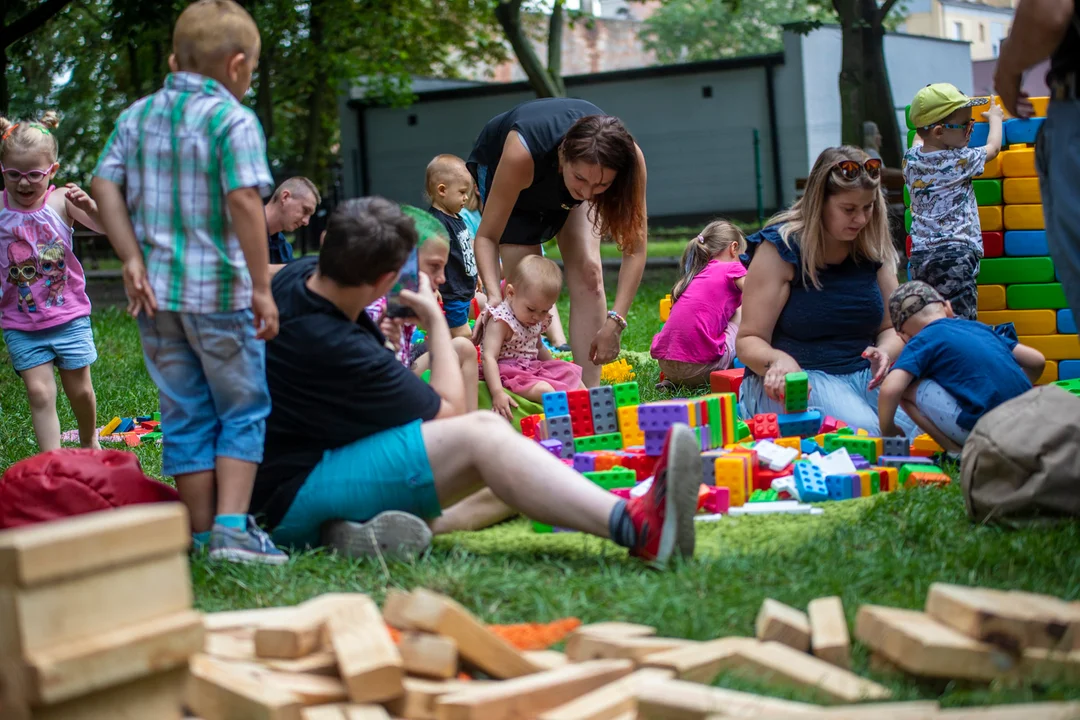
x: 251, y: 545
x: 392, y: 534
x: 664, y: 516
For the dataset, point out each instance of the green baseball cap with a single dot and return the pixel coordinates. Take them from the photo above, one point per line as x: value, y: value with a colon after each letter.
x: 936, y: 102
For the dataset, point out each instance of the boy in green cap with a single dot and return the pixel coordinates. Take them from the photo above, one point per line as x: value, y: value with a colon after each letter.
x: 946, y: 236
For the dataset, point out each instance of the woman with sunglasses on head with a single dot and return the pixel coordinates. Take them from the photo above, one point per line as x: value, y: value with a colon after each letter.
x: 44, y: 309
x: 814, y: 296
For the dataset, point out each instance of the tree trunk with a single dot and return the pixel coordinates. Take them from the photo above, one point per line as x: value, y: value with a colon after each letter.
x: 555, y: 32
x: 508, y: 13
x: 310, y: 161
x: 264, y: 99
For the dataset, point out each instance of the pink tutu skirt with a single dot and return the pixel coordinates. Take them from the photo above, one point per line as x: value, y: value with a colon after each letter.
x: 520, y: 374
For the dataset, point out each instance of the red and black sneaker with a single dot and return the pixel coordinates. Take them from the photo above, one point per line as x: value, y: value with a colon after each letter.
x: 664, y: 527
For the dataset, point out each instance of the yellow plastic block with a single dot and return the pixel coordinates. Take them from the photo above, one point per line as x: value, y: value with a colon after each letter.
x: 820, y: 440
x: 631, y: 438
x: 1054, y: 347
x: 111, y: 427
x: 978, y: 110
x: 665, y: 309
x: 1040, y: 104
x: 927, y: 443
x: 1050, y: 373
x: 862, y: 433
x: 990, y: 218
x: 1021, y: 191
x: 731, y: 472
x: 991, y: 297
x: 864, y: 480
x: 1027, y: 322
x: 628, y: 419
x: 888, y: 478
x: 1018, y: 163
x: 1024, y: 217
x: 794, y: 443
x: 991, y: 170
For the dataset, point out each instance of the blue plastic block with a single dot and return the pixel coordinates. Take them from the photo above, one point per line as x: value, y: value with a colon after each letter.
x: 801, y: 424
x: 979, y: 134
x: 1018, y: 130
x: 126, y: 425
x: 809, y: 446
x: 738, y: 363
x: 1068, y: 369
x: 555, y: 404
x: 1028, y: 243
x: 810, y: 483
x: 1066, y: 324
x: 838, y: 487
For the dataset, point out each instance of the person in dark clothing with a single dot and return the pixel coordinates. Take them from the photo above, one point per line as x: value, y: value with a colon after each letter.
x: 560, y: 167
x: 290, y: 208
x: 1043, y: 28
x: 359, y: 449
x: 448, y: 185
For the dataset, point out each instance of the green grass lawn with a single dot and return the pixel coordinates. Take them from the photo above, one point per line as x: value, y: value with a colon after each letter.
x: 886, y: 549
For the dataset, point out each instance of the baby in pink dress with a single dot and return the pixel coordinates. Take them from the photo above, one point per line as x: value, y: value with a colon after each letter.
x: 515, y: 358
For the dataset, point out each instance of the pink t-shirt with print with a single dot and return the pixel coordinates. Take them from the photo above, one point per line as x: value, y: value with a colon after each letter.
x: 694, y: 332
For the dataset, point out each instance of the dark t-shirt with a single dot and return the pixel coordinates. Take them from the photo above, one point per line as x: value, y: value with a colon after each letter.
x: 542, y: 208
x: 461, y: 269
x: 1067, y: 56
x: 332, y: 382
x: 280, y: 249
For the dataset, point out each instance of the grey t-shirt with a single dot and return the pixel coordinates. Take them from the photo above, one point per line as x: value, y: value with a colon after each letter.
x: 943, y: 206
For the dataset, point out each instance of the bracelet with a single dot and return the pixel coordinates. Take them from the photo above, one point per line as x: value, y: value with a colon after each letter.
x: 619, y: 319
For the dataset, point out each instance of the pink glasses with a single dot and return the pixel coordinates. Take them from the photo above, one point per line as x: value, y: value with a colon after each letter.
x: 33, y: 176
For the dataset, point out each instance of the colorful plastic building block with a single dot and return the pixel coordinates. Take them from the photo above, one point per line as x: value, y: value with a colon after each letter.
x: 560, y: 428
x: 764, y: 426
x: 603, y: 410
x: 925, y: 445
x: 839, y: 486
x: 869, y: 448
x: 794, y: 443
x: 126, y: 425
x: 1070, y: 386
x: 803, y: 424
x: 733, y: 472
x: 616, y: 477
x: 894, y: 445
x: 580, y: 412
x: 530, y: 424
x: 665, y: 309
x: 619, y: 371
x: 928, y: 478
x: 773, y: 456
x: 742, y: 431
x: 584, y: 462
x: 708, y: 465
x: 859, y: 461
x: 810, y: 483
x: 654, y: 442
x: 796, y: 392
x: 555, y: 404
x: 661, y: 416
x: 829, y: 424
x: 888, y: 477
x: 718, y: 500
x: 626, y: 393
x: 726, y: 380
x: 897, y: 461
x: 810, y: 446
x: 553, y: 446
x: 607, y: 441
x: 906, y: 471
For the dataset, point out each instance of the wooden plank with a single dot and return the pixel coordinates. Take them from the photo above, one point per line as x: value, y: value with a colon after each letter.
x: 783, y: 624
x: 221, y: 691
x: 607, y: 629
x: 393, y: 609
x: 298, y: 633
x: 310, y: 689
x: 158, y: 696
x: 320, y: 663
x: 918, y: 644
x: 476, y: 644
x: 341, y: 711
x: 612, y: 647
x: 776, y: 662
x: 829, y: 638
x: 229, y: 646
x: 418, y: 702
x: 232, y: 619
x: 1026, y: 711
x: 680, y: 700
x: 1066, y: 612
x: 698, y: 663
x: 426, y: 655
x: 114, y: 658
x: 1047, y: 666
x: 368, y: 660
x: 528, y: 696
x: 1000, y: 618
x: 918, y: 710
x: 610, y: 701
x: 87, y: 544
x: 546, y: 659
x: 324, y: 712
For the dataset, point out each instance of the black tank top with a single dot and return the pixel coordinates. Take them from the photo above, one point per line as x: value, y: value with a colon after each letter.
x: 542, y: 208
x: 1066, y: 58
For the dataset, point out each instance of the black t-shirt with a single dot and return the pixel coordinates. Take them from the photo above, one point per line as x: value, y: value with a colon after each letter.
x: 1066, y: 58
x: 461, y: 269
x: 332, y: 382
x: 542, y: 208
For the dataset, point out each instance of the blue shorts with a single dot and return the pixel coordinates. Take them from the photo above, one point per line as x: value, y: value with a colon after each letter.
x: 457, y: 312
x: 70, y: 346
x: 386, y: 471
x: 211, y: 377
x: 940, y: 408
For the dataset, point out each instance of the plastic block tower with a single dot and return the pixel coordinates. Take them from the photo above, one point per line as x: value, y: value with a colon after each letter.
x: 1018, y: 282
x: 810, y: 482
x: 602, y: 400
x: 581, y: 416
x: 796, y: 392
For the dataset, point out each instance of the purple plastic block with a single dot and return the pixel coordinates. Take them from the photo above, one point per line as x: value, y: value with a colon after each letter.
x: 661, y: 416
x: 654, y: 442
x: 553, y: 446
x: 856, y: 486
x: 859, y: 461
x: 584, y: 462
x: 900, y: 460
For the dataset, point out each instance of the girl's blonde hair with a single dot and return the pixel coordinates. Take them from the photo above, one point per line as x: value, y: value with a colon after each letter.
x: 802, y: 223
x: 717, y: 237
x: 30, y: 134
x: 538, y: 273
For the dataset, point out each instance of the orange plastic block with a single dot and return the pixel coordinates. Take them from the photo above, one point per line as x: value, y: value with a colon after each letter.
x: 1024, y: 217
x: 991, y: 297
x: 925, y: 443
x: 928, y: 478
x: 1018, y: 163
x: 864, y: 480
x: 990, y: 218
x: 131, y: 439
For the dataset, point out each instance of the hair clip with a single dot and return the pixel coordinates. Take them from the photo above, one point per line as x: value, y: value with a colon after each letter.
x: 8, y: 132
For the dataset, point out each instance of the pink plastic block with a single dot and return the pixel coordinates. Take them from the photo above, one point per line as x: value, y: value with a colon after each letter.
x: 718, y: 501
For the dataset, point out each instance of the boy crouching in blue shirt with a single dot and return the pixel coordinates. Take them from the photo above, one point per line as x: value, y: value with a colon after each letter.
x: 952, y: 371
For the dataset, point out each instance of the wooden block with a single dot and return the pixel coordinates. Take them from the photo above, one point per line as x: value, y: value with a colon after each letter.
x: 611, y: 700
x: 476, y: 644
x: 418, y: 702
x: 600, y: 647
x: 319, y: 663
x: 368, y: 660
x: 680, y: 700
x: 996, y: 617
x: 227, y: 646
x: 1026, y: 711
x: 233, y: 619
x: 298, y: 633
x: 220, y: 690
x: 698, y: 663
x: 829, y: 636
x: 1065, y: 612
x: 87, y: 544
x: 68, y: 610
x: 159, y: 696
x: 530, y: 695
x: 345, y: 712
x: 434, y: 656
x: 917, y: 710
x: 784, y: 624
x: 393, y: 609
x: 113, y: 658
x: 1046, y: 666
x: 606, y: 629
x: 547, y: 659
x: 919, y: 644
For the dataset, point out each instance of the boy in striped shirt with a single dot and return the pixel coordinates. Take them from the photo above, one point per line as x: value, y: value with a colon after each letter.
x: 181, y: 180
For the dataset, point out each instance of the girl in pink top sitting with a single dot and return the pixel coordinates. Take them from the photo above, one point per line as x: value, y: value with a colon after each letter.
x: 699, y: 336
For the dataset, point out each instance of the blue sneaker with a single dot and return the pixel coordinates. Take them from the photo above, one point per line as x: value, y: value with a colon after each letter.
x: 244, y: 546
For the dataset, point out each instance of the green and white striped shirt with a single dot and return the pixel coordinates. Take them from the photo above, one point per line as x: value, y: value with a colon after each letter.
x: 178, y: 154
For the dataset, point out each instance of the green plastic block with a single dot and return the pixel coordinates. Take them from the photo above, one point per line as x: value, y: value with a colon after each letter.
x: 156, y: 435
x: 426, y: 376
x: 911, y: 137
x: 906, y: 470
x: 987, y: 192
x: 616, y: 477
x: 157, y: 417
x: 907, y: 220
x: 875, y: 483
x: 1009, y: 270
x: 796, y: 391
x: 541, y: 527
x: 716, y: 422
x: 907, y: 197
x: 1072, y: 386
x: 626, y: 394
x: 844, y: 431
x: 907, y: 120
x: 769, y: 495
x: 610, y: 441
x: 1034, y: 297
x: 854, y: 443
x: 742, y: 430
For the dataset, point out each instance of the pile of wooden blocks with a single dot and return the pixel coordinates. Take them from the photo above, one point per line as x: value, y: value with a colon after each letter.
x: 95, y: 616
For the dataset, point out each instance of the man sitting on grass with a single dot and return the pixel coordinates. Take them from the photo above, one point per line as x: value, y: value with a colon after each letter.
x: 356, y: 438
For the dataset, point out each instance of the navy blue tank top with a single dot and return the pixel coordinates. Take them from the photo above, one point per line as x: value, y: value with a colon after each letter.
x: 542, y: 208
x: 826, y: 329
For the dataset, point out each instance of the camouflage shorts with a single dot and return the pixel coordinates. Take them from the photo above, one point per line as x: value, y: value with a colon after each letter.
x: 951, y: 269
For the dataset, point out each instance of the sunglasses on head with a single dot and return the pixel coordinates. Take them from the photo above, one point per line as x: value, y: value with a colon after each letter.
x: 852, y: 169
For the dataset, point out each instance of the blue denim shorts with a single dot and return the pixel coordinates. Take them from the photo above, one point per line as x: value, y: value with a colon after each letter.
x: 211, y: 377
x: 386, y: 471
x: 940, y: 408
x: 457, y: 312
x: 70, y: 346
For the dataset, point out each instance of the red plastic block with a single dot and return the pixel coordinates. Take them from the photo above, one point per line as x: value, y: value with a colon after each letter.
x: 830, y: 425
x: 764, y: 426
x: 529, y: 425
x: 727, y: 380
x: 580, y: 413
x: 763, y: 477
x: 993, y: 244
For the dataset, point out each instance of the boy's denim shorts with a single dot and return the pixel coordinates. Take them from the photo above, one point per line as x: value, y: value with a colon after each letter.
x: 211, y: 377
x: 70, y: 346
x: 940, y: 408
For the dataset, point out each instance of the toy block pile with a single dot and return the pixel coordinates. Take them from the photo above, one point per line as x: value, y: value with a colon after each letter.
x: 128, y: 430
x: 96, y: 616
x: 1017, y: 280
